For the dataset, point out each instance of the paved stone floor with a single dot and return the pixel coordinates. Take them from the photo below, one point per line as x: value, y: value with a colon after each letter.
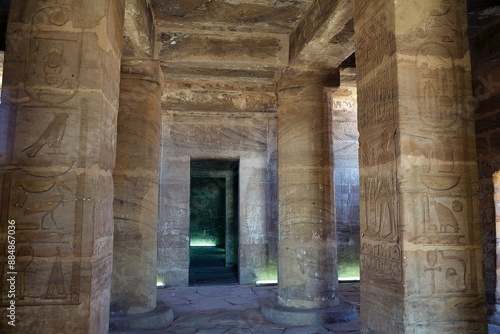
x: 235, y: 309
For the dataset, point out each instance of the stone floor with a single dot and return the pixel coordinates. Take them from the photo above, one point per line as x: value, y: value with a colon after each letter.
x: 207, y: 266
x: 234, y: 309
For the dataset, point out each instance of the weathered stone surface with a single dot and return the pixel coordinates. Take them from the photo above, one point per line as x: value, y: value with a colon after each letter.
x: 60, y: 103
x: 268, y: 16
x: 136, y: 182
x: 139, y: 33
x: 342, y: 102
x: 419, y: 217
x: 325, y: 35
x: 213, y: 89
x: 249, y: 50
x: 484, y: 38
x: 307, y: 246
x: 222, y: 60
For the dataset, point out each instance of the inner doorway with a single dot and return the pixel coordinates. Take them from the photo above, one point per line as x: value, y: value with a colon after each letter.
x: 213, y: 247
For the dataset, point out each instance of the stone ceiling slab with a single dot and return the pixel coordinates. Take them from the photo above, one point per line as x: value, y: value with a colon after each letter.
x: 227, y: 50
x: 325, y: 37
x: 270, y: 16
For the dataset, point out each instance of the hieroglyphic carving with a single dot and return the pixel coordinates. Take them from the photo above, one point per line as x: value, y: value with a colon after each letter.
x: 445, y: 270
x: 42, y: 196
x: 24, y: 258
x: 39, y: 201
x: 54, y: 56
x: 437, y: 20
x: 204, y: 135
x: 382, y: 261
x: 380, y: 191
x: 382, y: 108
x: 52, y: 136
x: 47, y: 205
x: 436, y: 85
x: 374, y: 40
x: 442, y: 201
x: 443, y: 219
x: 56, y: 287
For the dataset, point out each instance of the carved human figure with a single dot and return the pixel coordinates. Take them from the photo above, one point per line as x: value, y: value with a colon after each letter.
x: 24, y: 258
x: 380, y: 201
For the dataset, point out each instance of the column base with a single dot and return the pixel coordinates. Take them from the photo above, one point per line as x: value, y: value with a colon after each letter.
x: 316, y: 316
x: 159, y: 318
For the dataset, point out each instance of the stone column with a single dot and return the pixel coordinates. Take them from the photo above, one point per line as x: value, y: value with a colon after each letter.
x: 496, y: 196
x: 136, y: 188
x: 60, y: 101
x: 421, y: 249
x: 307, y: 250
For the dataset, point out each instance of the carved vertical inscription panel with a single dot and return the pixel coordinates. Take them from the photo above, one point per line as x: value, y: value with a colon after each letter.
x: 439, y: 143
x: 45, y: 196
x: 440, y: 211
x: 379, y: 207
x: 54, y: 56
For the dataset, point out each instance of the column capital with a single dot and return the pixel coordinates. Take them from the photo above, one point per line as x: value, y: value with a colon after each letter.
x: 147, y: 68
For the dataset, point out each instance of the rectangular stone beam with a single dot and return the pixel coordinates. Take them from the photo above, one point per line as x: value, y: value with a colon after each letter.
x: 248, y: 16
x: 325, y: 35
x: 191, y: 47
x: 212, y: 89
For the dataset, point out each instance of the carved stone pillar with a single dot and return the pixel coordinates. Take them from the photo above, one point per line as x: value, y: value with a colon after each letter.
x: 307, y: 250
x: 136, y: 189
x: 496, y: 185
x: 136, y: 179
x: 60, y: 100
x: 421, y: 249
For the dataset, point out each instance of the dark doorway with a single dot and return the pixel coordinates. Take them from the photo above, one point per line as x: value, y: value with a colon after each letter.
x: 213, y: 250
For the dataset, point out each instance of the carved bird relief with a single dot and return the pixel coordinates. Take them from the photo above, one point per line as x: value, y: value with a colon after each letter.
x: 52, y: 136
x: 48, y: 206
x: 446, y: 218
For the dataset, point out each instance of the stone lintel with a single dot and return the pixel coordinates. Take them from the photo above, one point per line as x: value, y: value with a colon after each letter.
x: 227, y: 50
x: 213, y: 89
x: 331, y: 42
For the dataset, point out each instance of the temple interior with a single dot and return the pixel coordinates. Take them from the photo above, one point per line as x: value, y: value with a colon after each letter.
x: 290, y: 152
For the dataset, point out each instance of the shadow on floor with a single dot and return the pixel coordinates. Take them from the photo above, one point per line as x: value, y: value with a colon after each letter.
x: 208, y: 267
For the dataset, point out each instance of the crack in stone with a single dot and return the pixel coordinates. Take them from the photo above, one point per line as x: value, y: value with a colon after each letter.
x: 230, y: 302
